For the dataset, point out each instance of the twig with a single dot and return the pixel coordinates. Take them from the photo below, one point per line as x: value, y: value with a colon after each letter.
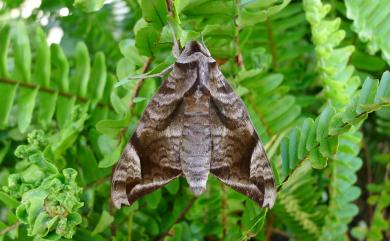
x: 98, y: 182
x: 170, y: 7
x: 9, y: 228
x: 269, y: 228
x: 112, y: 213
x: 244, y: 236
x: 224, y: 210
x: 130, y: 225
x: 367, y: 162
x: 280, y: 232
x: 48, y: 90
x: 238, y: 58
x: 271, y: 41
x: 179, y: 219
x: 140, y: 82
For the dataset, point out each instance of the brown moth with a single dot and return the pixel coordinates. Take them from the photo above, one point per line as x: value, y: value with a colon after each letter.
x: 194, y: 125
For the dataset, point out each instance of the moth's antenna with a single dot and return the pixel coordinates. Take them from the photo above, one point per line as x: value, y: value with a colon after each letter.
x: 176, y: 47
x: 204, y: 44
x: 202, y: 39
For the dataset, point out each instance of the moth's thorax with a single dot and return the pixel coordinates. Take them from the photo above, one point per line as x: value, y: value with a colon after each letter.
x: 195, y: 153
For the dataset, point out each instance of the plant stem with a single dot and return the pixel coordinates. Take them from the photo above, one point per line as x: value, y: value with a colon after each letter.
x: 224, y: 211
x: 271, y: 42
x: 49, y: 90
x: 9, y: 228
x: 179, y: 219
x: 140, y: 82
x: 98, y: 182
x: 129, y: 225
x: 239, y: 59
x: 112, y: 225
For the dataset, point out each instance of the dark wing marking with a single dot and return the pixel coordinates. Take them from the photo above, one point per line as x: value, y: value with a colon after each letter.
x: 151, y: 158
x: 238, y: 158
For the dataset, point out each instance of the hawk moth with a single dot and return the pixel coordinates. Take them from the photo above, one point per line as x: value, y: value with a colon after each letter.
x: 194, y: 125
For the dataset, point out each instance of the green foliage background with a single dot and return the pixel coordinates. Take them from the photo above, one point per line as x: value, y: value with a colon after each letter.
x: 310, y: 73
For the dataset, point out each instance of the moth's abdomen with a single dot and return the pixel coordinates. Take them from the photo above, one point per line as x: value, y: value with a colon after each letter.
x: 195, y: 152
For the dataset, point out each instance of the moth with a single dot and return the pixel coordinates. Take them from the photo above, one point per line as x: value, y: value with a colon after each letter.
x: 193, y: 126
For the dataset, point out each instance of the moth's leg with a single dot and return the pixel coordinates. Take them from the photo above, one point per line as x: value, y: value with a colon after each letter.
x: 128, y: 170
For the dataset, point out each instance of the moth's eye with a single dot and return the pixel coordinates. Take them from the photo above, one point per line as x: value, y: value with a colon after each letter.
x: 212, y: 64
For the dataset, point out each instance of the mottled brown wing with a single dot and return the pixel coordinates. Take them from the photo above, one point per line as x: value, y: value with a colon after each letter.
x: 151, y: 157
x: 238, y: 158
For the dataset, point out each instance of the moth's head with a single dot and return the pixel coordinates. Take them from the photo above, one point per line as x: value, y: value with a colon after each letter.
x: 195, y: 47
x: 194, y: 51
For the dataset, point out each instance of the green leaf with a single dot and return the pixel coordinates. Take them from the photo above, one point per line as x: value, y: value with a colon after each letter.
x: 5, y: 34
x: 8, y: 201
x: 22, y: 54
x: 89, y: 5
x: 7, y: 99
x: 253, y: 12
x: 64, y: 110
x: 98, y: 77
x: 293, y: 145
x: 26, y: 104
x: 88, y: 163
x: 369, y: 22
x: 129, y: 50
x: 173, y: 186
x: 317, y: 160
x: 155, y: 12
x: 79, y: 84
x: 47, y: 107
x: 42, y: 59
x: 111, y: 158
x: 328, y: 146
x: 367, y: 94
x: 284, y: 145
x: 104, y: 222
x: 213, y: 9
x: 60, y: 67
x: 384, y: 87
x: 146, y: 40
x: 112, y: 128
x: 153, y: 199
x: 366, y: 62
x: 305, y: 130
x: 323, y: 123
x: 180, y: 5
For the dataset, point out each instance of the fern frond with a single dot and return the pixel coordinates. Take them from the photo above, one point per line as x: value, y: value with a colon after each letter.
x: 283, y: 36
x: 370, y: 22
x: 383, y: 116
x: 298, y: 205
x: 265, y: 94
x: 381, y: 200
x: 339, y: 87
x: 317, y: 140
x: 46, y: 87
